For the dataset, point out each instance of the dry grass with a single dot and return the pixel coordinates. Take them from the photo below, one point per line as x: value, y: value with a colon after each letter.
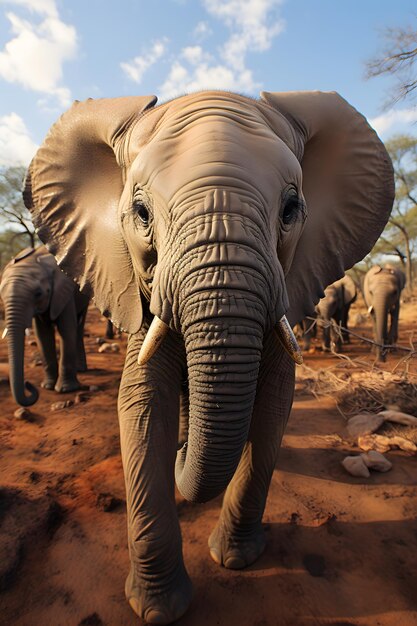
x: 359, y: 388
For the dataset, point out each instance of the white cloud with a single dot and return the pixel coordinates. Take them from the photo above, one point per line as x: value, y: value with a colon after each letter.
x: 394, y: 120
x: 16, y: 145
x: 254, y: 24
x: 43, y: 7
x: 34, y: 57
x: 202, y: 31
x: 182, y: 80
x: 136, y: 68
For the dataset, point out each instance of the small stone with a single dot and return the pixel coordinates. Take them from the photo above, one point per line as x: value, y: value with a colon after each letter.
x: 115, y: 347
x: 355, y: 465
x: 364, y: 424
x: 91, y: 620
x: 105, y: 347
x: 23, y: 414
x: 80, y: 397
x: 57, y: 406
x: 107, y: 503
x: 34, y: 477
x: 94, y: 388
x: 376, y: 461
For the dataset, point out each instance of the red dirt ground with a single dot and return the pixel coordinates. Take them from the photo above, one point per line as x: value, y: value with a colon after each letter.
x: 341, y: 550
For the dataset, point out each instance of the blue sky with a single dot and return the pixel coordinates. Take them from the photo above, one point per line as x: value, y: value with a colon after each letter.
x: 55, y: 51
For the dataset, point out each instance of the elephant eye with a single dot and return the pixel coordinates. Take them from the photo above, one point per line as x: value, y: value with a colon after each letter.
x: 292, y: 207
x: 142, y: 212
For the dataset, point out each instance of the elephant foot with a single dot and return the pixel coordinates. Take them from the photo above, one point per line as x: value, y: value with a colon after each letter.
x: 48, y: 384
x: 67, y: 386
x: 163, y: 607
x: 234, y: 552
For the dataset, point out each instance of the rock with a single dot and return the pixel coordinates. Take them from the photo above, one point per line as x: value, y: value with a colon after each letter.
x: 23, y: 414
x: 107, y: 503
x: 81, y: 397
x: 64, y: 404
x: 374, y: 442
x: 91, y: 620
x: 355, y: 465
x: 364, y: 424
x: 94, y: 388
x: 376, y: 461
x: 399, y: 418
x: 105, y: 347
x: 115, y: 347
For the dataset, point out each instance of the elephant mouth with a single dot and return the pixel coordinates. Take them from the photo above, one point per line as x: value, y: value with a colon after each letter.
x: 158, y: 331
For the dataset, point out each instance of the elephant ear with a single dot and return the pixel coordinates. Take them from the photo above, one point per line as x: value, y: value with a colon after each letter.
x: 73, y: 188
x: 348, y: 185
x: 63, y: 288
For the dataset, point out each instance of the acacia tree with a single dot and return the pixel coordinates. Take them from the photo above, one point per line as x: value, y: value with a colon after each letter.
x: 17, y: 230
x: 398, y: 58
x: 400, y: 234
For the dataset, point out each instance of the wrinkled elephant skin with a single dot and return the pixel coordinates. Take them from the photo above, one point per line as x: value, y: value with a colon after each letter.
x: 33, y: 287
x: 215, y: 215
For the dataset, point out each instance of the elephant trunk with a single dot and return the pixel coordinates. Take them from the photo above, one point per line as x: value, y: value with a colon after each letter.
x: 380, y: 310
x: 16, y: 344
x: 223, y: 331
x: 326, y: 312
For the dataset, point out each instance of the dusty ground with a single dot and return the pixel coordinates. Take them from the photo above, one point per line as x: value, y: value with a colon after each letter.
x: 341, y: 550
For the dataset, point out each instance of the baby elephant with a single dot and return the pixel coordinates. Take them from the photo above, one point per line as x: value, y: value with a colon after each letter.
x: 335, y: 305
x: 33, y: 286
x: 382, y: 290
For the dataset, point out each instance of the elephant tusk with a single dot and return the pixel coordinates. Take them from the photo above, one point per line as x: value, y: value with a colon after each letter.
x: 154, y: 337
x: 287, y: 338
x: 4, y: 333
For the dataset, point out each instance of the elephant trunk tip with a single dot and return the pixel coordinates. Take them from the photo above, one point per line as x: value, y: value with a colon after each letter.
x: 192, y: 492
x: 25, y: 400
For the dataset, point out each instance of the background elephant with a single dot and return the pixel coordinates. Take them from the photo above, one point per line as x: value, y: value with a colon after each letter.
x: 188, y: 223
x: 307, y: 329
x: 335, y: 305
x: 382, y: 291
x: 33, y: 286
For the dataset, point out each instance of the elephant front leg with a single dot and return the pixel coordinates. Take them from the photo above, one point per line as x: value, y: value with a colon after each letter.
x: 238, y: 538
x: 45, y: 334
x: 81, y: 356
x: 67, y: 329
x: 157, y: 587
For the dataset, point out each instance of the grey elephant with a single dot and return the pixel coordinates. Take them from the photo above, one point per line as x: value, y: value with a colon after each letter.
x: 206, y: 227
x: 382, y: 289
x: 33, y: 286
x: 338, y: 298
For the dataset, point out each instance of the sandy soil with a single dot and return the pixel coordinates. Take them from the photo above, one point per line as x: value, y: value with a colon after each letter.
x: 341, y: 550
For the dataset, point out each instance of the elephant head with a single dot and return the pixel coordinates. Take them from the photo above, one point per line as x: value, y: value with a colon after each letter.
x: 335, y: 306
x: 32, y: 284
x: 217, y: 214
